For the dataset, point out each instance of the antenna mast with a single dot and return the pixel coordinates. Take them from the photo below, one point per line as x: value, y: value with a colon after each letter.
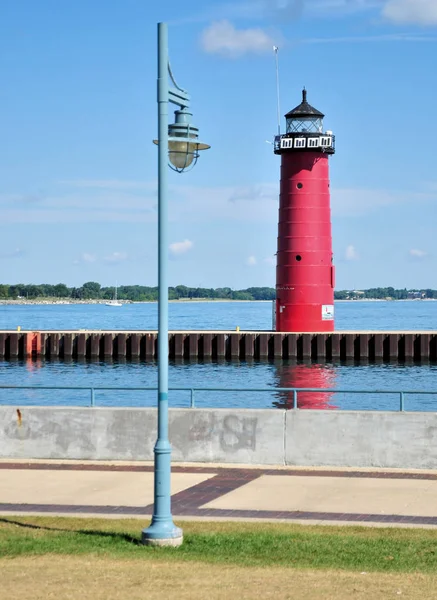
x: 275, y: 50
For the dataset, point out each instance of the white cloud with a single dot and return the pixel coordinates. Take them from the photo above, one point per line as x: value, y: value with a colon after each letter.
x: 225, y: 39
x: 284, y: 9
x: 233, y: 203
x: 351, y: 253
x: 281, y: 11
x: 357, y: 202
x: 416, y: 253
x: 177, y: 248
x: 260, y: 191
x: 109, y: 184
x: 385, y: 37
x: 418, y: 12
x: 90, y: 258
x: 253, y: 203
x: 259, y: 202
x: 116, y: 257
x: 110, y: 259
x: 17, y: 253
x: 251, y: 261
x: 78, y: 206
x: 85, y: 257
x: 421, y: 12
x: 339, y: 7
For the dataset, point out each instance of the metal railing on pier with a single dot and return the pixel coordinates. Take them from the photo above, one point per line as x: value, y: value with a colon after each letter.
x: 192, y: 391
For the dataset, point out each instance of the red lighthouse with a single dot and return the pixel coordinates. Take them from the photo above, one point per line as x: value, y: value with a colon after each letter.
x: 305, y: 270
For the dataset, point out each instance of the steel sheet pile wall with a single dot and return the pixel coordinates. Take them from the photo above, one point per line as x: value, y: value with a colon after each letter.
x: 106, y: 345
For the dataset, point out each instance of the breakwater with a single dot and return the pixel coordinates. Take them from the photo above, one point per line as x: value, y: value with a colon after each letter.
x: 243, y: 436
x: 392, y: 346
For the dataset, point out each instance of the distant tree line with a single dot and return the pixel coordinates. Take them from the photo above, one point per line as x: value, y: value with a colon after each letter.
x: 388, y: 293
x: 138, y: 293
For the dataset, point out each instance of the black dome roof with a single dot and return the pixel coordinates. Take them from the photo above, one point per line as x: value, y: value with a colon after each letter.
x: 304, y: 109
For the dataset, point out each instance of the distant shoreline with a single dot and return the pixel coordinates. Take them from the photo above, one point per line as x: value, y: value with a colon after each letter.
x: 104, y: 302
x: 21, y: 302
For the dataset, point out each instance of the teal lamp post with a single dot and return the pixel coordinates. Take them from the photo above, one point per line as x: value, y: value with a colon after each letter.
x: 178, y: 146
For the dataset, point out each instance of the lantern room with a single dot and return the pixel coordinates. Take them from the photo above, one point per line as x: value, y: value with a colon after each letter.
x: 304, y: 118
x: 304, y: 131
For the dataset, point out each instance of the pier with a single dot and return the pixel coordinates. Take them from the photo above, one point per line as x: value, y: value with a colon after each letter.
x: 390, y: 346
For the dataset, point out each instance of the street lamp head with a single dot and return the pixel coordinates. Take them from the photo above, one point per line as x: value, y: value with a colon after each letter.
x: 183, y: 142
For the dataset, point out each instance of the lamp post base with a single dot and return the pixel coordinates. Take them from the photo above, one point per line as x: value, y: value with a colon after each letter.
x: 162, y: 534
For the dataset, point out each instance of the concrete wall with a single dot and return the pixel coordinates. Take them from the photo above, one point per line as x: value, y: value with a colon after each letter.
x: 256, y: 437
x: 361, y: 439
x: 197, y: 435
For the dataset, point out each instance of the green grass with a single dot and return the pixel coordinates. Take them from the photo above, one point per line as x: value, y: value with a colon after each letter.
x: 244, y: 544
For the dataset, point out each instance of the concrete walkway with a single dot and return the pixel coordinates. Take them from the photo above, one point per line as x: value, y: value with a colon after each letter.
x: 341, y: 496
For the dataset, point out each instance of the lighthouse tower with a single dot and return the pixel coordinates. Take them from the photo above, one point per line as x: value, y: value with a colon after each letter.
x: 305, y: 275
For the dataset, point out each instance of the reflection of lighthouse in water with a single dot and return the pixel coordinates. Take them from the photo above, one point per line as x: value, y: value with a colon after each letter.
x: 305, y: 375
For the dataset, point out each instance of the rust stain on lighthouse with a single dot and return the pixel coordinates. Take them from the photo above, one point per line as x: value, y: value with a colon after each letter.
x: 305, y: 276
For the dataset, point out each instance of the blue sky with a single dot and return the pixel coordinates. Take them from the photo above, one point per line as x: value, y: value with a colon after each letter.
x: 78, y: 113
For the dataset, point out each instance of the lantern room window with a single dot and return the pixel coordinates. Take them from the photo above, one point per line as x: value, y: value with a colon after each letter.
x: 305, y: 125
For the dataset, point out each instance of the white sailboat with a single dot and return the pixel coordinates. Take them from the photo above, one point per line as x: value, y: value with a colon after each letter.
x: 114, y: 302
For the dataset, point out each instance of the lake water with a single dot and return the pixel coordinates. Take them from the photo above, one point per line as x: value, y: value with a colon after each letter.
x: 217, y: 315
x: 363, y: 316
